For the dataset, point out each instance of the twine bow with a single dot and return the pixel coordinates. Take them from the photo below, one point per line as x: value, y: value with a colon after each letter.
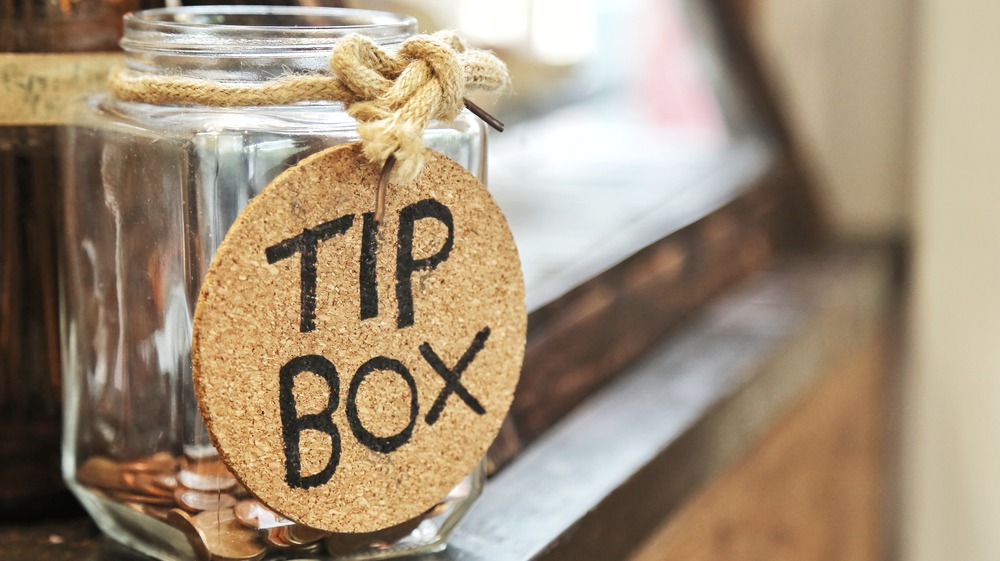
x: 393, y: 96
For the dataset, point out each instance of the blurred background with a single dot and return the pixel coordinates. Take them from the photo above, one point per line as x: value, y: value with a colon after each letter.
x: 894, y: 106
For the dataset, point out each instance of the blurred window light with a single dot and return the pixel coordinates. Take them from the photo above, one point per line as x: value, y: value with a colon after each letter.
x: 499, y: 24
x: 563, y: 31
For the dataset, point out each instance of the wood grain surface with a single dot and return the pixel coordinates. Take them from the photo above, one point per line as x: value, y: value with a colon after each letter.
x: 815, y: 489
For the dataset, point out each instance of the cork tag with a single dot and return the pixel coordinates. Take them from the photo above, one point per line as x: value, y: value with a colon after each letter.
x: 352, y: 373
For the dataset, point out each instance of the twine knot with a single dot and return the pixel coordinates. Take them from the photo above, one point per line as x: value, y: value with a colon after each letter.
x: 393, y: 95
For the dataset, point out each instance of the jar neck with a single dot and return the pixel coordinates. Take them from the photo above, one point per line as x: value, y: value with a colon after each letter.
x: 249, y: 43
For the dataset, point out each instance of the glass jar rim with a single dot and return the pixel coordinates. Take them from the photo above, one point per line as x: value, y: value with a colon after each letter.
x: 211, y: 29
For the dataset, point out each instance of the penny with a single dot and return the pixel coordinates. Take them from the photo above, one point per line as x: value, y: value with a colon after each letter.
x: 252, y: 514
x: 209, y: 466
x: 224, y: 528
x: 159, y: 462
x: 200, y: 501
x: 298, y: 534
x: 246, y: 513
x: 144, y: 483
x: 165, y: 481
x: 308, y: 548
x: 183, y: 521
x: 228, y: 540
x: 277, y: 537
x: 127, y: 496
x: 205, y: 475
x: 100, y: 471
x: 343, y: 544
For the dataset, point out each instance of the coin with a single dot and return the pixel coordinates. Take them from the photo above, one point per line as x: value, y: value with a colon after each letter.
x: 277, y: 537
x: 308, y: 548
x: 199, y: 501
x: 205, y: 475
x: 298, y: 534
x: 252, y: 514
x: 224, y: 528
x: 160, y: 462
x: 246, y: 513
x: 166, y: 481
x: 183, y: 521
x: 128, y: 496
x: 228, y: 540
x: 343, y: 544
x: 144, y: 483
x: 101, y: 471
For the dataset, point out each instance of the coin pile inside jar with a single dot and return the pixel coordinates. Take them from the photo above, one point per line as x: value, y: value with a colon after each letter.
x: 215, y: 513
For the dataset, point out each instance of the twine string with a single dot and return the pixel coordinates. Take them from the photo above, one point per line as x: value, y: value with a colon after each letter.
x: 393, y: 95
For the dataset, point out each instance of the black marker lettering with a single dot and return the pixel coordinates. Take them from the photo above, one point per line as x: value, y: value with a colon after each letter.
x: 406, y: 265
x: 306, y: 245
x: 453, y: 377
x: 292, y: 425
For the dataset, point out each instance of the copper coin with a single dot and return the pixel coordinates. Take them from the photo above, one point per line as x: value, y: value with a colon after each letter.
x: 166, y: 481
x: 298, y: 534
x: 246, y: 513
x: 160, y: 462
x: 102, y: 472
x: 308, y: 549
x: 228, y: 540
x: 342, y: 544
x: 199, y: 501
x: 212, y: 465
x: 128, y: 496
x: 144, y: 484
x: 205, y: 475
x: 252, y: 514
x: 185, y: 523
x: 277, y: 537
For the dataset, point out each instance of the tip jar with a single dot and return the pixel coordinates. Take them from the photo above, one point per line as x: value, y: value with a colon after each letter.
x: 150, y: 192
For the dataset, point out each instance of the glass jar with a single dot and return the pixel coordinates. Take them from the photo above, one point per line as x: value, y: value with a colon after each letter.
x: 149, y: 195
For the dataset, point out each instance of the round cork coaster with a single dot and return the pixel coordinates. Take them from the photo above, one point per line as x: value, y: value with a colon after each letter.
x: 352, y: 373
